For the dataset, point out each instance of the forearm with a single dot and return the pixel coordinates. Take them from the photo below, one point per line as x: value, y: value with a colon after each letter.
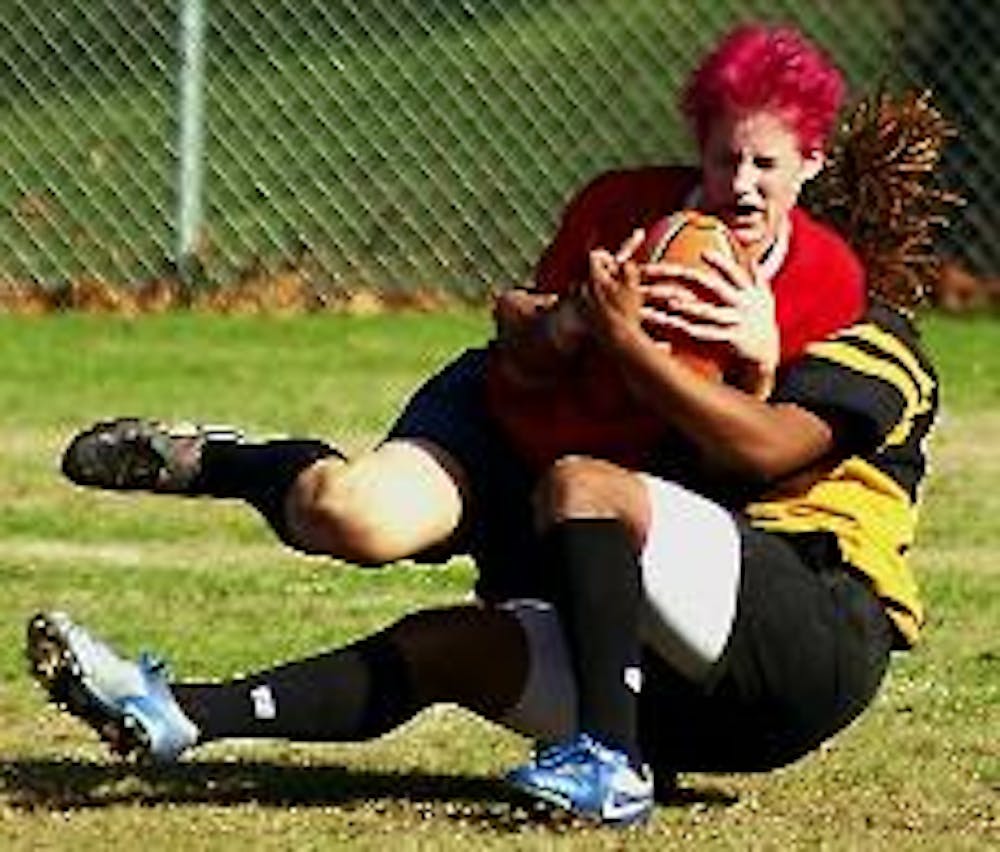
x: 740, y: 434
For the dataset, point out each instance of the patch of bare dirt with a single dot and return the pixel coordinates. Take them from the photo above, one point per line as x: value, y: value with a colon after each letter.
x: 285, y: 292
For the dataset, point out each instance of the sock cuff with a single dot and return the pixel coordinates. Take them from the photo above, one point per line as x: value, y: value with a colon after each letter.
x: 569, y: 531
x: 572, y: 544
x: 233, y: 469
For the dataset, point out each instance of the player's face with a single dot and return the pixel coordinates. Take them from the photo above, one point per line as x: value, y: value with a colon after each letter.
x: 752, y: 173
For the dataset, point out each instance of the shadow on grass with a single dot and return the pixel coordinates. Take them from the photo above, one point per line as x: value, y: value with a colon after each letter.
x: 48, y: 784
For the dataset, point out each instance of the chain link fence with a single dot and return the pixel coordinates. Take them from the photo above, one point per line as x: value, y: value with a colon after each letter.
x: 395, y: 143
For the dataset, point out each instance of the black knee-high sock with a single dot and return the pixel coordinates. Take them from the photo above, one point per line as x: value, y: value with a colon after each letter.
x: 261, y: 474
x: 354, y: 693
x: 596, y: 587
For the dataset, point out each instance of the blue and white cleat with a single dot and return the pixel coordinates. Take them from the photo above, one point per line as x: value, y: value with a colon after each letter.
x: 128, y: 703
x: 588, y: 779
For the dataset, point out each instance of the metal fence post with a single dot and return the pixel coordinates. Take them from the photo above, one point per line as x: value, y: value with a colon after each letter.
x: 191, y: 138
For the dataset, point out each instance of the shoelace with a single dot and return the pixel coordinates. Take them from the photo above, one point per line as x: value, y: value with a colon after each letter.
x: 580, y: 749
x: 153, y: 665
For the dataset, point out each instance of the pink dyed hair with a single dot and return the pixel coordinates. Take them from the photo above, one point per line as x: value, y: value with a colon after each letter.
x: 760, y: 67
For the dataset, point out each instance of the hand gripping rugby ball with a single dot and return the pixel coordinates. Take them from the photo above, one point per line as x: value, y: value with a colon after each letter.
x: 683, y: 238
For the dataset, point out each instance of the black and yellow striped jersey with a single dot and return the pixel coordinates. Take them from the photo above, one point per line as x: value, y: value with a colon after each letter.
x: 875, y: 386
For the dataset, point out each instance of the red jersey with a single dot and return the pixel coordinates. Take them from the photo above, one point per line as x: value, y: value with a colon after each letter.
x: 818, y: 288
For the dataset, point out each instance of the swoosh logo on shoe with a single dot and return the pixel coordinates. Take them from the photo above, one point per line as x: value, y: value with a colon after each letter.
x: 619, y: 810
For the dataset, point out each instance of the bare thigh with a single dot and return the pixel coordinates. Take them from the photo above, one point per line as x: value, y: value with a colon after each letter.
x: 403, y: 497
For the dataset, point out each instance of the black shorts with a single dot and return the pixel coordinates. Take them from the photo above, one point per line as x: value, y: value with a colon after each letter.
x: 497, y: 528
x: 808, y: 649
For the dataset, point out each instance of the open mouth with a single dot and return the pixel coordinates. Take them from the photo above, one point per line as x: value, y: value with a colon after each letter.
x: 743, y: 211
x: 738, y: 216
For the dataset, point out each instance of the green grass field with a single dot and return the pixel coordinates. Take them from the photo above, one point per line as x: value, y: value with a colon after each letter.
x: 205, y: 584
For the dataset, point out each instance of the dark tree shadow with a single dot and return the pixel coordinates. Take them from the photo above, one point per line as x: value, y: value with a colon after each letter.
x: 56, y: 785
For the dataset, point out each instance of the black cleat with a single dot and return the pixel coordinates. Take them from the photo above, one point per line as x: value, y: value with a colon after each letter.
x: 137, y: 454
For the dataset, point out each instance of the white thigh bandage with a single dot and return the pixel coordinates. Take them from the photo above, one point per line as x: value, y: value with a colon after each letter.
x: 690, y: 577
x: 546, y: 709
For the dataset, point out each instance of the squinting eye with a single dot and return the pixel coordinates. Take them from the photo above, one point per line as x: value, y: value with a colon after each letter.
x: 765, y: 162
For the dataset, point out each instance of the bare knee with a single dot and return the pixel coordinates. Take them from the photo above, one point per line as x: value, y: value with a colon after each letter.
x: 579, y: 487
x: 328, y: 514
x: 387, y: 505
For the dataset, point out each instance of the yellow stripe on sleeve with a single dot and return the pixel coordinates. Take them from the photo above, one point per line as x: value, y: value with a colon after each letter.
x: 848, y: 355
x: 894, y: 346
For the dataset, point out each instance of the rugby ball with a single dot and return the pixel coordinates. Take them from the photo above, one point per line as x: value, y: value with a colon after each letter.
x: 683, y: 238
